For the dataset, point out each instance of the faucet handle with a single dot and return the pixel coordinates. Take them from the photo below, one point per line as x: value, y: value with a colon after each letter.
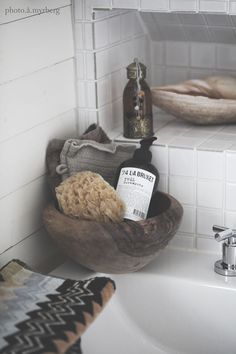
x: 222, y: 233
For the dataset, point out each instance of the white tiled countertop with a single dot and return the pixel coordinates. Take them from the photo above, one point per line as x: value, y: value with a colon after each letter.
x: 197, y: 165
x: 176, y: 133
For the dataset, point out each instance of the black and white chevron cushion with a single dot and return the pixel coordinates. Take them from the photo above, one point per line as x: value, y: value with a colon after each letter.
x: 44, y: 314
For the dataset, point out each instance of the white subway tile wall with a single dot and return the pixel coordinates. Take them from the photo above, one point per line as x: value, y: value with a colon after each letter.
x: 23, y: 156
x: 189, y: 220
x: 20, y: 212
x: 183, y: 241
x: 160, y: 157
x: 111, y: 41
x: 196, y: 165
x: 106, y: 4
x: 37, y: 98
x: 209, y: 194
x: 230, y: 192
x: 116, y: 38
x: 226, y: 57
x: 230, y: 219
x: 37, y: 84
x: 183, y: 189
x: 204, y: 181
x: 206, y: 218
x: 177, y: 54
x: 125, y: 4
x: 187, y: 5
x: 232, y: 7
x: 231, y: 167
x: 162, y: 5
x: 36, y: 251
x: 83, y: 10
x: 173, y: 62
x: 210, y: 165
x: 205, y: 244
x: 207, y: 190
x: 181, y: 162
x: 201, y: 27
x: 202, y: 55
x: 14, y: 61
x: 211, y: 6
x: 163, y: 183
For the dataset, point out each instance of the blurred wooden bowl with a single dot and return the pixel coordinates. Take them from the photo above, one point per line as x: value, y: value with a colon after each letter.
x: 195, y: 109
x: 116, y: 247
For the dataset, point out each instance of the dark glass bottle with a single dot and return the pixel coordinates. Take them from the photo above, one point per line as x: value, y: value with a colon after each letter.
x: 137, y: 103
x: 136, y: 181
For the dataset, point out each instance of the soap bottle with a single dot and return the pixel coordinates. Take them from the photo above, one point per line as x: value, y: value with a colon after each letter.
x: 137, y: 103
x: 136, y: 181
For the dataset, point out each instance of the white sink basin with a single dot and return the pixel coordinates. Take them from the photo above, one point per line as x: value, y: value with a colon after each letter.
x: 180, y: 316
x: 175, y: 305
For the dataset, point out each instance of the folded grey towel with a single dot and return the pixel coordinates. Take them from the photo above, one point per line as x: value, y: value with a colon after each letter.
x: 88, y: 155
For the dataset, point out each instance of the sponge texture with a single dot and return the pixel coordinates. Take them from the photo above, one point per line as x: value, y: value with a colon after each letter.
x: 86, y: 195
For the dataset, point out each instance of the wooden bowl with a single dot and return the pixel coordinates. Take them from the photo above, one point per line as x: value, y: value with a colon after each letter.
x: 116, y: 247
x: 196, y: 109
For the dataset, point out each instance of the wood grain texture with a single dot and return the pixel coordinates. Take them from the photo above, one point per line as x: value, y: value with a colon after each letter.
x: 116, y: 247
x: 196, y: 109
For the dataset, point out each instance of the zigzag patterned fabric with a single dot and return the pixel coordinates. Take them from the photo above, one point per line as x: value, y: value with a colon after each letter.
x: 44, y: 314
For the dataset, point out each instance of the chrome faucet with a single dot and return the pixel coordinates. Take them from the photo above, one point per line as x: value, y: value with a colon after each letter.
x: 227, y: 265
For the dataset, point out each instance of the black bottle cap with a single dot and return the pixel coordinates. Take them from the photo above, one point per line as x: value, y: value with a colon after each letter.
x: 143, y: 153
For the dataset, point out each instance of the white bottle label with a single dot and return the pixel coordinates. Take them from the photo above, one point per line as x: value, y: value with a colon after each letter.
x: 135, y: 187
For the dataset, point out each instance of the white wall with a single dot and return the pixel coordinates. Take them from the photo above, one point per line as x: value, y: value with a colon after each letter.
x: 37, y: 103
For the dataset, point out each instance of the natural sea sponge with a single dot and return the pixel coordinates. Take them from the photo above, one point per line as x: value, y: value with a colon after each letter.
x: 86, y: 195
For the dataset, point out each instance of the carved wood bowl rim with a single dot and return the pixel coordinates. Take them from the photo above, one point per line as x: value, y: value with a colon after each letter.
x: 115, y: 242
x: 199, y: 110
